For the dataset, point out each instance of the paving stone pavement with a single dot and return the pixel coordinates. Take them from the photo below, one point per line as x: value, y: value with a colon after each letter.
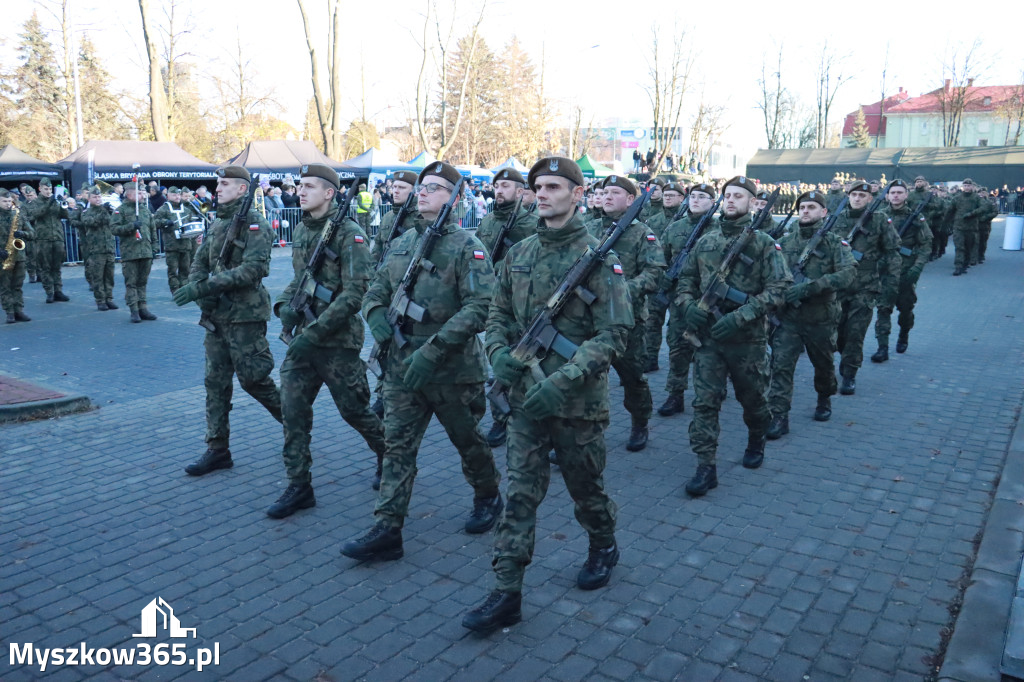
x: 838, y: 559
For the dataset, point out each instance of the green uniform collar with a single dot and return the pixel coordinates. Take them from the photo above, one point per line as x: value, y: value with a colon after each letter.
x: 502, y: 210
x: 807, y: 230
x: 563, y: 235
x: 731, y: 228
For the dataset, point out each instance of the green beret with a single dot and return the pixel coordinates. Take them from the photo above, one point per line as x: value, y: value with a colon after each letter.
x: 4, y: 193
x: 236, y: 172
x: 408, y: 177
x: 816, y: 197
x: 510, y: 174
x: 560, y: 166
x: 920, y: 177
x: 173, y: 190
x: 898, y: 183
x: 967, y: 181
x: 706, y: 188
x: 45, y: 182
x: 744, y: 182
x: 673, y: 187
x: 324, y: 172
x: 95, y: 190
x: 762, y: 195
x: 442, y: 170
x: 659, y: 181
x: 861, y: 187
x: 621, y: 181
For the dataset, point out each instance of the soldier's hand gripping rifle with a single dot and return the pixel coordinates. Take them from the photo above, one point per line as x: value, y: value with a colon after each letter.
x: 718, y: 289
x: 502, y: 243
x: 541, y: 336
x: 239, y: 222
x: 402, y: 306
x: 309, y: 288
x: 865, y: 218
x: 676, y: 266
x: 403, y: 213
x: 812, y: 247
x: 904, y: 251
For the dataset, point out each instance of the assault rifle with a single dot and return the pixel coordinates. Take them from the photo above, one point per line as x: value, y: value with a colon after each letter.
x: 683, y: 208
x: 309, y: 288
x: 402, y: 306
x: 865, y: 217
x: 403, y: 213
x: 676, y: 266
x: 541, y: 336
x: 812, y: 246
x: 502, y: 242
x: 239, y: 222
x: 904, y: 251
x: 718, y: 289
x: 778, y: 230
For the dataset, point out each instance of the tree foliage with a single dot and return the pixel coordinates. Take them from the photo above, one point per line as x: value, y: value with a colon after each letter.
x: 861, y: 134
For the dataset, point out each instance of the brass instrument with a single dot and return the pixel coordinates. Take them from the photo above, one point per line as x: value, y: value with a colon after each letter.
x: 259, y: 202
x: 13, y: 243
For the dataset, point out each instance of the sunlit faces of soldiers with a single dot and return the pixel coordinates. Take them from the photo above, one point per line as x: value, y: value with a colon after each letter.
x: 656, y: 192
x: 506, y: 192
x: 45, y: 191
x: 556, y: 198
x: 229, y: 189
x: 529, y: 197
x: 700, y: 202
x: 433, y: 194
x: 316, y: 195
x: 616, y: 200
x: 897, y: 196
x: 758, y: 204
x: 874, y: 186
x: 95, y: 199
x: 835, y: 184
x: 27, y: 192
x: 736, y: 201
x: 920, y: 183
x: 859, y: 199
x: 174, y: 197
x: 966, y: 186
x: 400, y: 190
x: 672, y: 198
x: 811, y: 212
x: 7, y: 202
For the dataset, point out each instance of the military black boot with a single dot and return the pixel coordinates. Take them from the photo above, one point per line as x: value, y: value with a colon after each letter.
x: 849, y: 385
x: 212, y: 459
x: 823, y: 412
x: 145, y: 314
x: 674, y: 404
x: 49, y: 298
x: 383, y: 542
x: 902, y: 342
x: 704, y: 480
x: 60, y: 296
x: 881, y: 355
x: 111, y: 304
x: 10, y: 318
x: 598, y: 568
x: 101, y: 305
x: 297, y: 496
x: 498, y: 610
x: 637, y: 436
x: 778, y: 428
x: 486, y: 512
x: 956, y: 273
x: 135, y: 315
x: 497, y: 435
x: 652, y: 365
x: 753, y: 456
x: 19, y: 316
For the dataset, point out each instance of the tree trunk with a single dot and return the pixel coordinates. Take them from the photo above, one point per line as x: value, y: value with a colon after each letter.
x: 157, y: 100
x: 318, y: 100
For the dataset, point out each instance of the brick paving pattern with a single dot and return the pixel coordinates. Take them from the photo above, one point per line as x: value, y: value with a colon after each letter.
x: 14, y: 392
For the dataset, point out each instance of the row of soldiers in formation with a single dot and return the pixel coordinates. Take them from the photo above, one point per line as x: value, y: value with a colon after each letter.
x: 494, y: 282
x: 41, y: 226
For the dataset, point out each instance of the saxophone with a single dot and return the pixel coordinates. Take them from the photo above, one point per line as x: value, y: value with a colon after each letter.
x: 13, y: 244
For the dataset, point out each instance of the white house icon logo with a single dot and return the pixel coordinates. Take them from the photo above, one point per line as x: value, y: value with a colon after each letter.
x: 170, y: 621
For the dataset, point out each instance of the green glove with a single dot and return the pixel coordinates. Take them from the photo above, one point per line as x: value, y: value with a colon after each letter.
x: 725, y: 327
x: 912, y: 275
x: 381, y: 329
x: 191, y: 291
x: 421, y: 366
x: 290, y: 317
x: 798, y: 292
x: 544, y: 399
x: 695, y: 317
x: 507, y: 369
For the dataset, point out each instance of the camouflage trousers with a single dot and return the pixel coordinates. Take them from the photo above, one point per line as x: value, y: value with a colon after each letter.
x: 302, y: 375
x: 83, y: 255
x: 656, y: 314
x: 458, y: 408
x: 178, y: 265
x: 580, y: 447
x: 49, y: 258
x: 630, y: 368
x: 940, y: 238
x: 99, y: 270
x: 11, y: 284
x: 136, y: 277
x: 237, y: 349
x: 680, y: 353
x: 853, y: 328
x: 30, y: 258
x: 984, y: 232
x: 746, y: 364
x: 788, y: 342
x: 966, y: 244
x: 906, y: 298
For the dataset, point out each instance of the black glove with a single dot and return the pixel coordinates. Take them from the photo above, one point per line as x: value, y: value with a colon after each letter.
x: 137, y: 224
x: 110, y: 209
x: 3, y: 254
x: 18, y: 234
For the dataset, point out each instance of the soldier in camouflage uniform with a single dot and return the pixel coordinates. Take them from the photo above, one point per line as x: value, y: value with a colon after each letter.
x: 680, y: 351
x: 440, y: 370
x: 12, y: 279
x: 809, y: 317
x: 643, y: 261
x: 27, y: 196
x: 964, y: 211
x: 170, y: 218
x: 991, y: 207
x: 876, y: 248
x: 655, y: 204
x: 567, y: 410
x: 96, y: 220
x: 139, y: 246
x: 835, y: 194
x: 915, y: 248
x: 235, y: 308
x: 326, y: 350
x: 75, y: 210
x: 733, y: 347
x: 592, y: 221
x: 672, y: 197
x: 48, y: 249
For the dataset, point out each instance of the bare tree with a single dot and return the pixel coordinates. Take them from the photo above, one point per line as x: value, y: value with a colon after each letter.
x: 830, y: 78
x: 669, y: 80
x: 580, y: 139
x: 328, y: 110
x: 776, y: 103
x: 705, y: 130
x: 157, y: 98
x: 1014, y: 112
x: 881, y: 102
x: 959, y: 70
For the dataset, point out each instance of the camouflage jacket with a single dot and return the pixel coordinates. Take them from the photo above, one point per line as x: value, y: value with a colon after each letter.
x: 831, y: 265
x: 385, y: 233
x: 136, y: 243
x: 45, y: 216
x: 762, y: 275
x: 659, y: 221
x: 525, y: 224
x: 916, y: 242
x: 834, y: 198
x: 879, y: 265
x: 23, y: 225
x: 990, y: 209
x: 169, y: 218
x: 238, y: 294
x: 964, y: 211
x: 675, y: 238
x: 531, y: 272
x: 642, y: 259
x: 454, y: 288
x: 337, y: 324
x: 653, y: 207
x: 95, y: 222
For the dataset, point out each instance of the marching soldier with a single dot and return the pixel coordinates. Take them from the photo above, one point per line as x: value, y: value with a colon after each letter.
x: 170, y: 218
x: 595, y: 218
x: 876, y: 284
x: 642, y: 262
x: 991, y: 206
x: 568, y: 410
x: 733, y: 347
x: 655, y: 204
x: 12, y: 279
x: 96, y: 220
x: 915, y: 248
x: 809, y: 317
x: 965, y: 210
x: 836, y: 193
x: 439, y: 371
x: 235, y: 308
x: 27, y: 196
x: 325, y: 350
x: 48, y: 241
x: 672, y: 197
x: 139, y: 246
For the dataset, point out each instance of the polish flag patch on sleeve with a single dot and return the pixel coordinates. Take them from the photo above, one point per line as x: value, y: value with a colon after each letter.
x: 359, y: 239
x: 479, y: 255
x: 845, y: 243
x: 777, y: 247
x: 616, y: 268
x: 651, y: 238
x: 254, y: 227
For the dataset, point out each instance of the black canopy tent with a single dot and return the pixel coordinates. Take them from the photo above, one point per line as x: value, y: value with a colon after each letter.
x: 17, y: 166
x: 273, y: 159
x: 821, y: 165
x: 112, y: 160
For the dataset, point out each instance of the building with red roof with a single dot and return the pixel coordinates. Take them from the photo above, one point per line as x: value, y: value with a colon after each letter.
x: 874, y: 119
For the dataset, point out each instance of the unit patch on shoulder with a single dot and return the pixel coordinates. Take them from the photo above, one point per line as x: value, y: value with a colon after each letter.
x: 777, y: 247
x: 616, y: 268
x: 479, y: 255
x: 359, y: 239
x: 254, y: 227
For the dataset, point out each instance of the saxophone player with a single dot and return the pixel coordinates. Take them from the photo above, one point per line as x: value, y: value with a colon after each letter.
x: 12, y: 269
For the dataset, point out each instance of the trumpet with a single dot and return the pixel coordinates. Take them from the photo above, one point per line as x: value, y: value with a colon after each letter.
x: 13, y: 243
